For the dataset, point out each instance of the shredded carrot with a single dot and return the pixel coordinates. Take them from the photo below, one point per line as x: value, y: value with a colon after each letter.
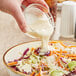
x: 63, y: 44
x: 53, y: 52
x: 56, y: 47
x: 12, y: 63
x: 62, y: 56
x: 59, y: 42
x: 53, y: 42
x: 65, y: 56
x: 60, y: 64
x: 32, y: 49
x: 59, y: 55
x: 40, y: 69
x: 71, y: 55
x: 68, y: 55
x: 50, y: 53
x: 71, y: 46
x: 38, y: 74
x: 32, y: 74
x: 44, y: 64
x: 58, y: 58
x: 62, y: 51
x: 66, y: 69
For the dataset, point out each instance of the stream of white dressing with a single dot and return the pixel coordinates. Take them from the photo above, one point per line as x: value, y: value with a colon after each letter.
x: 41, y: 27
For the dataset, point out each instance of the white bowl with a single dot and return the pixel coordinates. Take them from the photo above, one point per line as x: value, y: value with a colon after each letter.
x: 13, y: 53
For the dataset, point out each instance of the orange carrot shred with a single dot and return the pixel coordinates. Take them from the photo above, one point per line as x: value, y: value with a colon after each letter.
x: 62, y: 44
x: 40, y: 68
x: 71, y: 46
x: 71, y: 55
x: 50, y: 53
x: 66, y: 69
x: 12, y: 63
x: 56, y: 47
x: 58, y: 42
x: 32, y: 73
x: 62, y: 51
x: 53, y: 42
x: 60, y: 64
x: 58, y: 58
x: 53, y: 52
x: 59, y: 55
x: 38, y: 74
x: 32, y: 49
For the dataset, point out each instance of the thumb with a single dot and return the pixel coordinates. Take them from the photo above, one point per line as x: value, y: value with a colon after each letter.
x: 18, y: 15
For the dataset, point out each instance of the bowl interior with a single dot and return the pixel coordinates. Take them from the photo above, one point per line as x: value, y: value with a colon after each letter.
x: 15, y: 52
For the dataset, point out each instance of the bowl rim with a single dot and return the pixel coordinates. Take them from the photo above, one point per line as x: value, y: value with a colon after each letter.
x: 17, y: 72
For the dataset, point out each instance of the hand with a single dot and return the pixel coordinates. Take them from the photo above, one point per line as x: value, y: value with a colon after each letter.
x: 13, y: 7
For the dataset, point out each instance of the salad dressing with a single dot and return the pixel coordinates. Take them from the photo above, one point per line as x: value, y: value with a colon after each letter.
x: 49, y: 64
x: 41, y: 27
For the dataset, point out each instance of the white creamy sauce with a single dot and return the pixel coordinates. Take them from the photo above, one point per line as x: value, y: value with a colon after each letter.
x: 41, y: 27
x: 27, y: 67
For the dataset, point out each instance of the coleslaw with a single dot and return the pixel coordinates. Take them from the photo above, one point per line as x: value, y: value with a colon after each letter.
x: 59, y: 60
